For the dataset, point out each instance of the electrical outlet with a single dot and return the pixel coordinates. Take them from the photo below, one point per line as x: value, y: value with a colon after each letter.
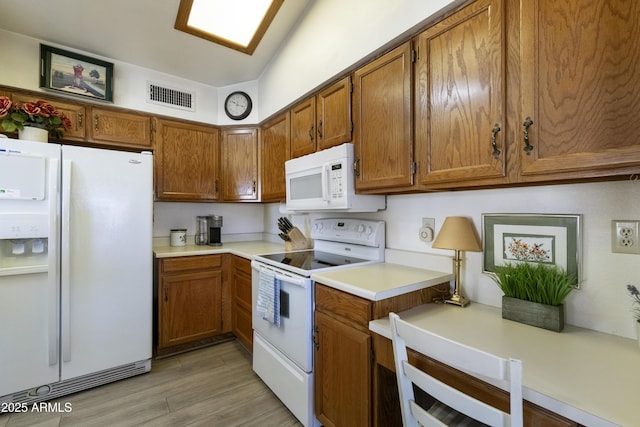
x: 624, y: 237
x: 427, y: 229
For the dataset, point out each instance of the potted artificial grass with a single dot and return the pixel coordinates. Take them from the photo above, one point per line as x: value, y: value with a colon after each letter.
x: 534, y: 293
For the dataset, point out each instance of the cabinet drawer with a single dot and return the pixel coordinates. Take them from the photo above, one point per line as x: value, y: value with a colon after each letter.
x: 179, y: 264
x: 343, y: 304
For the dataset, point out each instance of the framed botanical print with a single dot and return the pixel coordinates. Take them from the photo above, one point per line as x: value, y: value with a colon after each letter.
x: 534, y: 238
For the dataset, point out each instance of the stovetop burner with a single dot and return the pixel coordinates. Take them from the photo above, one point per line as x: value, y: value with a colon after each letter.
x: 311, y: 260
x: 338, y: 243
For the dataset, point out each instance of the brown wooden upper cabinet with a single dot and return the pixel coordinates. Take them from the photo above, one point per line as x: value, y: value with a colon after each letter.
x: 77, y: 113
x: 186, y: 161
x: 579, y: 89
x: 460, y: 97
x: 322, y: 121
x: 274, y: 148
x: 383, y: 113
x: 240, y: 164
x: 333, y: 110
x: 303, y: 128
x: 120, y: 128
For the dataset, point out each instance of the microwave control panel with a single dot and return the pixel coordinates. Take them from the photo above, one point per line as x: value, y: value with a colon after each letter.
x: 336, y: 180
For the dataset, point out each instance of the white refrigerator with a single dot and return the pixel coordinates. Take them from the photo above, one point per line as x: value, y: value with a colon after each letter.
x: 75, y: 268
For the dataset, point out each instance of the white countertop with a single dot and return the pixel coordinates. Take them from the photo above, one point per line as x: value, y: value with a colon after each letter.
x: 372, y: 281
x: 246, y: 249
x: 379, y: 281
x: 584, y: 375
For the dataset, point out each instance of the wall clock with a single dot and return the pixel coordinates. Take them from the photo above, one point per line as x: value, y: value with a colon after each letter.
x: 238, y: 105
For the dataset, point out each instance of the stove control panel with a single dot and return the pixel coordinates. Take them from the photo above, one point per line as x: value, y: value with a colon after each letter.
x: 348, y: 230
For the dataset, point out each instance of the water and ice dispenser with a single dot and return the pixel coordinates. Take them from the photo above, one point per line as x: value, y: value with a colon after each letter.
x: 24, y: 213
x: 23, y: 242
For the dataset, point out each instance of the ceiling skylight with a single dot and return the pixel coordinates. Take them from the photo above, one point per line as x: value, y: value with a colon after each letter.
x: 237, y: 24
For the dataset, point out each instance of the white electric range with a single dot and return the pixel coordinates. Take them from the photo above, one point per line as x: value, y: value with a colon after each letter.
x: 283, y: 341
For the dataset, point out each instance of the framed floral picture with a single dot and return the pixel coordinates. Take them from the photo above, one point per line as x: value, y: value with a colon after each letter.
x: 533, y: 238
x: 75, y: 74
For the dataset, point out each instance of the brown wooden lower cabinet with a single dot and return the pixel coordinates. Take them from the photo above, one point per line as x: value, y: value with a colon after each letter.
x: 241, y: 300
x: 342, y: 372
x: 202, y: 300
x: 190, y: 302
x: 343, y: 358
x: 386, y: 402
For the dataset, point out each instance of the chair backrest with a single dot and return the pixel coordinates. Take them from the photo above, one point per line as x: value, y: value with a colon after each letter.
x: 488, y: 367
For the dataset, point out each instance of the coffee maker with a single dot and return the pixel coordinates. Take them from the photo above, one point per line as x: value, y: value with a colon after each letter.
x: 215, y: 224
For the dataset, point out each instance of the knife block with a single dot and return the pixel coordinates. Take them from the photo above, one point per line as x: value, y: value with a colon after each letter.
x: 297, y: 241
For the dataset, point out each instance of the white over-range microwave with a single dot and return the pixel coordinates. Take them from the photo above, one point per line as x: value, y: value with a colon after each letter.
x: 324, y: 181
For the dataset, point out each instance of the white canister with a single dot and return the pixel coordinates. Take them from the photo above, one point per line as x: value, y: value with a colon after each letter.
x: 178, y: 237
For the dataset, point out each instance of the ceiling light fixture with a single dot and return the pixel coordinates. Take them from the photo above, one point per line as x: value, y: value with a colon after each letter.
x: 236, y: 24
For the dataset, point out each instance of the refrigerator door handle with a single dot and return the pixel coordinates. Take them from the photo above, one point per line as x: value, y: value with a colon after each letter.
x: 53, y: 259
x: 65, y: 288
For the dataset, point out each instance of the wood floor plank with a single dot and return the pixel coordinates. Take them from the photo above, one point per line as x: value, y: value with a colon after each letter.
x: 213, y: 386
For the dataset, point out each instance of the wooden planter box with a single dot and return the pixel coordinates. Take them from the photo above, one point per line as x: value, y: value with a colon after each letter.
x: 544, y: 316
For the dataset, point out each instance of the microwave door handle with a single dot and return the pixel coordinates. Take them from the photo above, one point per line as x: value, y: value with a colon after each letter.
x: 326, y: 185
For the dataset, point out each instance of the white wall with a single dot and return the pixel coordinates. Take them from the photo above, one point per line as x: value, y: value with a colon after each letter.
x: 238, y: 218
x: 330, y: 38
x: 251, y: 88
x: 602, y: 302
x: 21, y: 69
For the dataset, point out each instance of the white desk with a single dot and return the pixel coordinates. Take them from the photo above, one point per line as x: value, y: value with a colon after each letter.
x: 590, y: 377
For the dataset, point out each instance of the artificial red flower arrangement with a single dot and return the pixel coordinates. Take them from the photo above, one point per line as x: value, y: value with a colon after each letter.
x: 40, y: 114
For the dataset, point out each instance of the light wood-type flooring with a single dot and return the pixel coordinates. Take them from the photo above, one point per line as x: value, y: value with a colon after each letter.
x: 214, y: 386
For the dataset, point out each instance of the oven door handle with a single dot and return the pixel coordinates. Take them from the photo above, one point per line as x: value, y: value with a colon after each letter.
x: 300, y: 282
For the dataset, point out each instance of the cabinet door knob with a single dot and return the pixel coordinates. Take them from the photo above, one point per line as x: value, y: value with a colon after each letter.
x: 494, y: 144
x: 95, y: 121
x: 320, y: 129
x: 527, y: 146
x: 79, y: 120
x: 311, y: 133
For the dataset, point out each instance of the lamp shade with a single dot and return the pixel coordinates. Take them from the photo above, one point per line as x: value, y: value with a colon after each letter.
x: 458, y: 233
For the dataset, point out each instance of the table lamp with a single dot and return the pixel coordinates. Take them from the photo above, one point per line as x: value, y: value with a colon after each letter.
x: 458, y: 233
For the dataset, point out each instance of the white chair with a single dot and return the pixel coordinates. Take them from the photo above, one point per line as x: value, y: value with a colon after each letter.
x: 488, y: 367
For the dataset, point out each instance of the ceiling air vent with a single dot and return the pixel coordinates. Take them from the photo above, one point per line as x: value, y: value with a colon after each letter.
x: 170, y: 97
